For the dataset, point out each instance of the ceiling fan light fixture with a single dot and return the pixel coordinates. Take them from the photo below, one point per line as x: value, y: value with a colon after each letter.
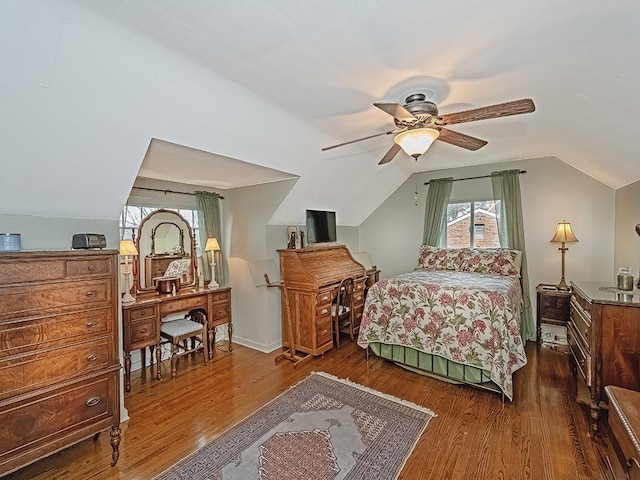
x: 417, y: 141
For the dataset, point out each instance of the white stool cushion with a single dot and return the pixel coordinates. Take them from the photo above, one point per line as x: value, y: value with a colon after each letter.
x: 177, y: 328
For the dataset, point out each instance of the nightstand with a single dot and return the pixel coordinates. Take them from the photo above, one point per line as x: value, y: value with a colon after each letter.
x: 553, y: 307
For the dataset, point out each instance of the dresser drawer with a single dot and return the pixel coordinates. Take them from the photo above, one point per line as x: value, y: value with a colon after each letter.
x: 52, y: 269
x: 582, y: 303
x: 220, y: 311
x: 25, y: 335
x: 142, y: 333
x: 26, y: 271
x: 144, y: 312
x: 183, y: 305
x: 67, y: 297
x: 32, y: 423
x: 323, y: 313
x: 323, y: 332
x: 220, y: 297
x: 579, y: 353
x: 323, y: 298
x: 45, y: 367
x: 581, y: 323
x: 88, y: 267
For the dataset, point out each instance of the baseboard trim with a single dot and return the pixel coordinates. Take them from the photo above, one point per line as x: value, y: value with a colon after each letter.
x: 261, y: 347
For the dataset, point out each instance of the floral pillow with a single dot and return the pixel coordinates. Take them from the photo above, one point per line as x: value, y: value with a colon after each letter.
x: 496, y: 261
x: 434, y: 258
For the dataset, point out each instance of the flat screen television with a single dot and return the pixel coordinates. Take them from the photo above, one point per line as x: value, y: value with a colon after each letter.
x: 321, y: 226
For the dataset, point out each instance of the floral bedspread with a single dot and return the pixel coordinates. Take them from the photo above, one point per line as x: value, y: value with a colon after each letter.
x: 470, y: 318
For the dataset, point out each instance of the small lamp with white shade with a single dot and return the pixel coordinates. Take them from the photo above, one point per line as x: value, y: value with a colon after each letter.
x: 212, y: 246
x: 127, y: 248
x: 563, y: 235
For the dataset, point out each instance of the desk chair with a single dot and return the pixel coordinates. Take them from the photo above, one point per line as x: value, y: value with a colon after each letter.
x: 178, y: 332
x: 342, y: 310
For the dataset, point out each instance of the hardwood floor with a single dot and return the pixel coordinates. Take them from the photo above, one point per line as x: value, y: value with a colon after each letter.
x: 543, y: 434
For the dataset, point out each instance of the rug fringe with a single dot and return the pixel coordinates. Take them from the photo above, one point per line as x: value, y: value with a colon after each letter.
x: 401, y: 401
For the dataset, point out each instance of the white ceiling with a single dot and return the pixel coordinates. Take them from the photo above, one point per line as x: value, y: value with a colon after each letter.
x: 270, y: 82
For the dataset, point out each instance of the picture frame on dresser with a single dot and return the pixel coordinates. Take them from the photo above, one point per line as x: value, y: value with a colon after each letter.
x: 59, y: 364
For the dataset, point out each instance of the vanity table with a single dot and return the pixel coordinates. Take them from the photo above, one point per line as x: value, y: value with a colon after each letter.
x: 141, y: 321
x: 164, y: 236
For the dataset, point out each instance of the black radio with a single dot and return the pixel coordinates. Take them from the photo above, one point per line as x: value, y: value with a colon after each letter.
x: 88, y: 240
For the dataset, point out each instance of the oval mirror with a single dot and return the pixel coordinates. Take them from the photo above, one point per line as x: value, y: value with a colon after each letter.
x: 166, y: 248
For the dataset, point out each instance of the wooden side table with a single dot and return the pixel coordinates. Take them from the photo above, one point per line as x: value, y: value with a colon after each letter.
x: 552, y: 307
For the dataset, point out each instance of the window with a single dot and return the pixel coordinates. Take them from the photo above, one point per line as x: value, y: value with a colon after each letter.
x: 132, y: 216
x: 472, y: 224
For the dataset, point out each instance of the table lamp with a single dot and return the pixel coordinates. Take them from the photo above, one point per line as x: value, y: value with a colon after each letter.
x: 127, y: 248
x: 212, y: 246
x: 563, y: 235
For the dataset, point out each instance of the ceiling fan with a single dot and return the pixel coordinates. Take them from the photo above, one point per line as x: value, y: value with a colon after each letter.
x: 418, y: 125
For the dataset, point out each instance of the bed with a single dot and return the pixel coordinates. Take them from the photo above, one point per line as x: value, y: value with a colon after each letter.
x: 456, y: 316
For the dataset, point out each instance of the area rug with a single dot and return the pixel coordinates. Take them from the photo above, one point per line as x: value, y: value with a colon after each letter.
x: 322, y: 428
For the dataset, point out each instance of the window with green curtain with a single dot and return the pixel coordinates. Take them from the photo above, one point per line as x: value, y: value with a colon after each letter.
x: 210, y: 222
x: 435, y: 212
x: 506, y: 189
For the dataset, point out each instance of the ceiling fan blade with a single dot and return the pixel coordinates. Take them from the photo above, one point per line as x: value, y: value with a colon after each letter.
x: 516, y: 107
x: 393, y: 151
x: 396, y: 110
x: 460, y: 139
x: 359, y: 140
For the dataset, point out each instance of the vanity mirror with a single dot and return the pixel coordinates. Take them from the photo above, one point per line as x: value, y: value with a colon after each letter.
x: 167, y: 248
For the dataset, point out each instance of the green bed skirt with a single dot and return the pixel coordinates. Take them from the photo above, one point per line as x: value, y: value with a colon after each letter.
x: 422, y: 362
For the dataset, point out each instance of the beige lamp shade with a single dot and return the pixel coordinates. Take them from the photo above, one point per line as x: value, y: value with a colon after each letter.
x: 212, y: 244
x: 417, y: 141
x: 127, y: 247
x: 564, y: 234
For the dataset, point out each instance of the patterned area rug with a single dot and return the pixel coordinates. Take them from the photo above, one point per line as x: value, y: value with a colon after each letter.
x: 322, y: 428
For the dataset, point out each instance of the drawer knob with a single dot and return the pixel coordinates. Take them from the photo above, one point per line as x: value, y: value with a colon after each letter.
x: 92, y: 293
x: 92, y: 268
x: 92, y: 324
x: 324, y: 310
x: 92, y: 358
x: 93, y: 401
x: 632, y: 461
x: 143, y: 330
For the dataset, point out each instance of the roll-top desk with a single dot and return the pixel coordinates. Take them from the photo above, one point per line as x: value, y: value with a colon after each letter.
x: 311, y: 277
x: 59, y: 367
x: 604, y: 339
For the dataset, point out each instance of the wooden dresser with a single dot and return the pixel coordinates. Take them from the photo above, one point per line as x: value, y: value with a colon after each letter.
x: 311, y: 277
x: 604, y: 338
x: 59, y: 367
x: 623, y: 453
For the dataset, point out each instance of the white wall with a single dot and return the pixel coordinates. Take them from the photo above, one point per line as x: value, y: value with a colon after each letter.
x: 256, y: 310
x: 552, y: 191
x: 627, y: 247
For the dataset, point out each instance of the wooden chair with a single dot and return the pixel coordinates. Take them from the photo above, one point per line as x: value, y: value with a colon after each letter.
x: 178, y: 333
x: 342, y: 310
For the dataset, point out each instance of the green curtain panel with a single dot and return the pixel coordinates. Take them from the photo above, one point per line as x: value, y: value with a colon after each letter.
x: 435, y: 212
x: 209, y: 220
x: 506, y: 189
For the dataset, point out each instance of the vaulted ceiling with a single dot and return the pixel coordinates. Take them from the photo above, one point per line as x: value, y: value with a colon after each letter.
x: 86, y: 85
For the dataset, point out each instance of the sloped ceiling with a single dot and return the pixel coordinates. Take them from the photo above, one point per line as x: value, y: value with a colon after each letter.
x: 86, y: 85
